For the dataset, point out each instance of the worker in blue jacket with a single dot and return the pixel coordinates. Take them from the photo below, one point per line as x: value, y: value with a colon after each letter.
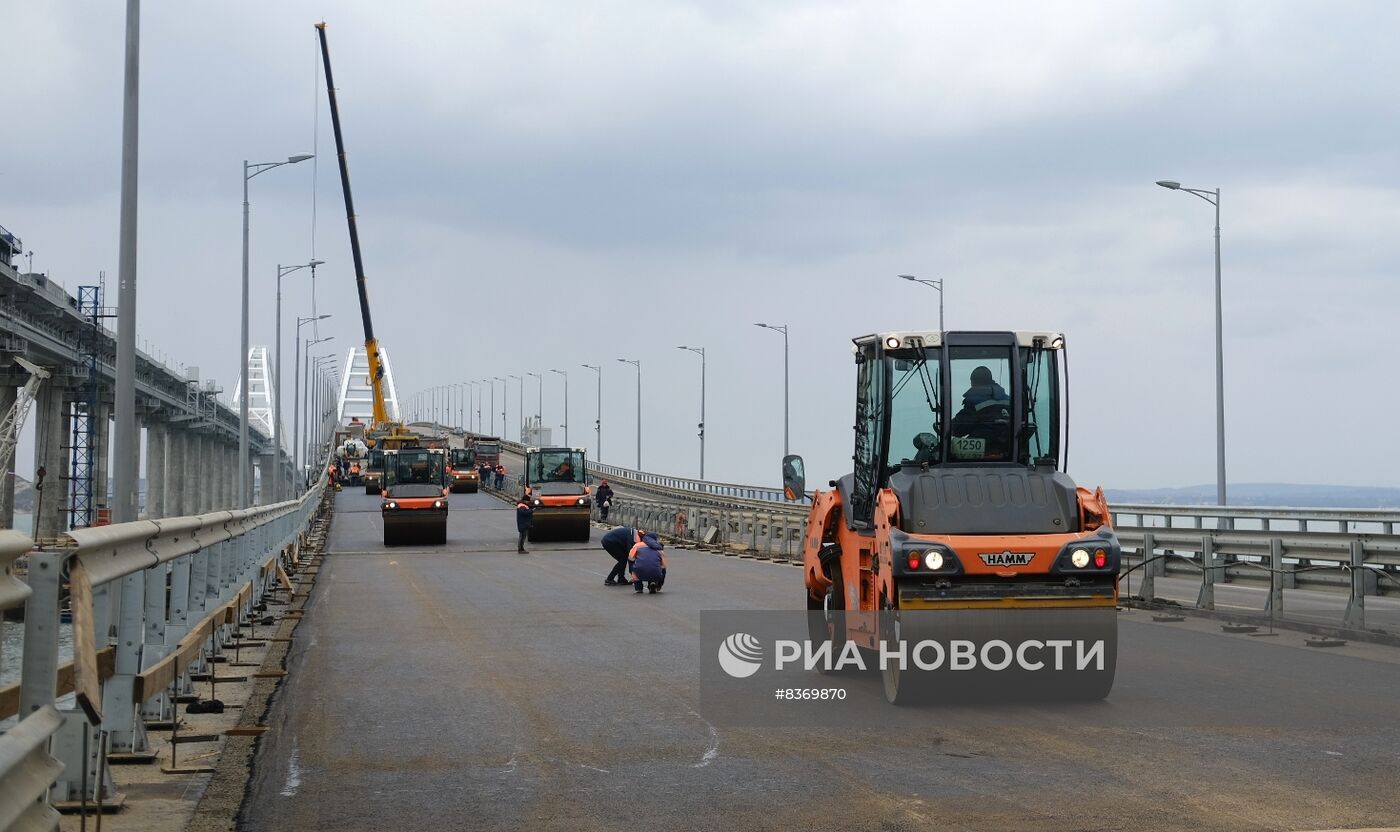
x: 619, y: 543
x: 524, y: 518
x: 648, y: 563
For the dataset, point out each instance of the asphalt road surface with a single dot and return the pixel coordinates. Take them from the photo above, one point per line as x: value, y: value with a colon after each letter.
x: 468, y: 687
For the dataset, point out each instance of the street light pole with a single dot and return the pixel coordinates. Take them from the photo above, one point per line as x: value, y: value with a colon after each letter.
x: 783, y: 328
x: 935, y: 284
x: 566, y: 405
x: 245, y: 497
x: 539, y: 416
x: 297, y: 417
x: 520, y: 411
x: 700, y: 351
x: 296, y: 395
x: 598, y: 423
x: 1213, y: 197
x: 277, y: 376
x: 505, y: 391
x: 638, y: 364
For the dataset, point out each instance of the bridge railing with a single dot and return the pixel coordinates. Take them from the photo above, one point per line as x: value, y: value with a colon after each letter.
x: 1355, y: 551
x: 174, y: 592
x: 27, y: 769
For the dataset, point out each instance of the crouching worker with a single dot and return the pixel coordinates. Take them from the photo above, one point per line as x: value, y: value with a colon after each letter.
x: 619, y: 543
x: 648, y: 563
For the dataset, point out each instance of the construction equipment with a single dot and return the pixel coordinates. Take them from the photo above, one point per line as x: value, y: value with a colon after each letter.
x: 958, y: 521
x: 563, y: 503
x: 488, y: 450
x: 381, y: 420
x: 414, y: 504
x: 13, y: 421
x: 462, y: 471
x: 373, y: 473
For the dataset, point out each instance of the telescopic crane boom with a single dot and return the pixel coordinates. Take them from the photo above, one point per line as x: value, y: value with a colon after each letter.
x: 376, y: 367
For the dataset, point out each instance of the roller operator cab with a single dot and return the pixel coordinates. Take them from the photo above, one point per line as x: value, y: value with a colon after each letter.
x: 959, y: 506
x: 562, y: 500
x: 414, y: 504
x: 462, y: 471
x: 374, y: 471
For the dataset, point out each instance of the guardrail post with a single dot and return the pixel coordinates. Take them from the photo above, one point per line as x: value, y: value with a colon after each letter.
x: 1206, y: 599
x: 39, y: 664
x: 1148, y: 589
x: 125, y: 734
x: 1355, y: 617
x: 1274, y: 606
x: 154, y: 649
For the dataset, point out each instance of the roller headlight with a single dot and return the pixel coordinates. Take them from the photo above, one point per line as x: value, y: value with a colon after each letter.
x: 582, y: 501
x: 934, y: 560
x: 1080, y: 558
x: 438, y: 504
x: 391, y: 504
x: 537, y: 502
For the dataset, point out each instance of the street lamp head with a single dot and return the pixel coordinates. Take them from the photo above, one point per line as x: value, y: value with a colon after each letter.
x: 314, y: 263
x: 1169, y: 184
x: 908, y: 276
x: 300, y: 157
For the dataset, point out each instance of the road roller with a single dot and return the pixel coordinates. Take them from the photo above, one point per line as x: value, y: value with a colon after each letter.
x: 958, y: 526
x: 559, y: 492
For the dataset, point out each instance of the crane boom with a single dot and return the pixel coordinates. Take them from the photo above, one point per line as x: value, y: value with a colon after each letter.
x: 376, y: 367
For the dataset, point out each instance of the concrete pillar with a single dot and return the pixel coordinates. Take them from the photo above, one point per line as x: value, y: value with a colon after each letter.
x: 194, y: 475
x: 219, y: 499
x: 155, y: 469
x: 54, y: 423
x: 102, y: 434
x: 175, y: 472
x: 7, y: 476
x: 267, y: 473
x: 230, y: 470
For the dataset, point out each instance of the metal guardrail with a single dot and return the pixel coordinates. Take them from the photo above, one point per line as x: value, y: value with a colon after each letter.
x: 26, y: 767
x: 1350, y: 550
x: 167, y: 595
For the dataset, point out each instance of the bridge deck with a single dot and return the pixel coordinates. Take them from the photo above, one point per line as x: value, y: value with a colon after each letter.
x: 467, y: 686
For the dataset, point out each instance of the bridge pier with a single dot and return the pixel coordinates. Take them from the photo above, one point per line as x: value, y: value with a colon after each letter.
x: 52, y: 452
x: 102, y: 433
x: 267, y: 474
x: 175, y: 482
x: 8, y: 394
x: 228, y: 476
x: 155, y: 469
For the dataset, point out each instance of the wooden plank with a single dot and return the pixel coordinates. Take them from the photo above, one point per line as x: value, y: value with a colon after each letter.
x: 86, y: 683
x: 160, y: 675
x: 9, y: 695
x: 246, y: 731
x: 282, y: 577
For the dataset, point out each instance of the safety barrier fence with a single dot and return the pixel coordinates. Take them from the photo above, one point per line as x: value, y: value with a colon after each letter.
x: 152, y: 602
x: 1157, y: 541
x: 1355, y: 551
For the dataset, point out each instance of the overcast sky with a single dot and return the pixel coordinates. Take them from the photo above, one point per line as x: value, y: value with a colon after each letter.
x: 542, y: 185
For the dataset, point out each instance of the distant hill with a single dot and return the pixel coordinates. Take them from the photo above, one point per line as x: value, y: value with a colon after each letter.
x: 1265, y: 494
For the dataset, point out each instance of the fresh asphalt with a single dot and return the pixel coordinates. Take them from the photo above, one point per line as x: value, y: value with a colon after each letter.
x: 467, y: 687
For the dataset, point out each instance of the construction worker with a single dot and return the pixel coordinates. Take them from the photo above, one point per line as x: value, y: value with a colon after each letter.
x: 604, y: 500
x: 524, y: 518
x: 500, y: 476
x: 985, y: 416
x: 619, y: 543
x: 485, y: 471
x: 648, y: 563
